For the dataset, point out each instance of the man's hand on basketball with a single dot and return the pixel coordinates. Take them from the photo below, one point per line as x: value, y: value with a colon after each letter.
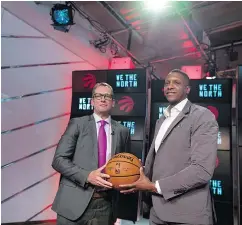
x: 97, y: 178
x: 142, y: 184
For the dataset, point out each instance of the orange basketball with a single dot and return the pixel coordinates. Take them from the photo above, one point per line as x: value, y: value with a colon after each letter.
x: 123, y: 168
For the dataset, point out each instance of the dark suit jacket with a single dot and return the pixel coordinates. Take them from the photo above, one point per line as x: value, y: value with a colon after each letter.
x: 75, y: 157
x: 183, y: 166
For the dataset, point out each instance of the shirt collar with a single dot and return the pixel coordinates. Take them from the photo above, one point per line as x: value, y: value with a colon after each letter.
x: 98, y: 118
x: 178, y: 107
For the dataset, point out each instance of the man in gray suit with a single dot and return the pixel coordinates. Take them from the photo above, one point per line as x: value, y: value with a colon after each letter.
x: 85, y: 196
x: 181, y: 159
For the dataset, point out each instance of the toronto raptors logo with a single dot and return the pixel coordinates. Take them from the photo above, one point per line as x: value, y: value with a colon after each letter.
x: 214, y: 110
x: 89, y: 81
x: 126, y: 104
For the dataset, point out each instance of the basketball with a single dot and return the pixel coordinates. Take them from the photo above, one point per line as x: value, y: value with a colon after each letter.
x: 123, y: 168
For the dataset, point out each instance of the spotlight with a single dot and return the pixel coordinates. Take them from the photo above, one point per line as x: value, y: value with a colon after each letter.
x: 156, y: 5
x: 62, y: 17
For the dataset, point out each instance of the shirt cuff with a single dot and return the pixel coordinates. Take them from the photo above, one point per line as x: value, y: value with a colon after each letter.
x: 158, y: 187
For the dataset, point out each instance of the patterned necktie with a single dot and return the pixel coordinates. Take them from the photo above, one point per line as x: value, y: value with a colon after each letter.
x: 102, y: 144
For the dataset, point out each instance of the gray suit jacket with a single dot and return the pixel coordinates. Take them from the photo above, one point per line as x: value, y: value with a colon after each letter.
x: 75, y: 157
x: 183, y: 166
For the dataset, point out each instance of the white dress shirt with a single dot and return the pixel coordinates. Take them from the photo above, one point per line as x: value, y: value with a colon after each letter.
x: 108, y: 130
x: 170, y: 114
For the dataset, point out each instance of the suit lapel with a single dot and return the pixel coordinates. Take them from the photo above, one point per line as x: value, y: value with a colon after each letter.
x: 114, y: 136
x: 92, y: 131
x: 173, y: 124
x: 181, y: 115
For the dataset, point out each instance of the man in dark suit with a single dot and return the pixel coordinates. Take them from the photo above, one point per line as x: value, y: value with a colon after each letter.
x: 181, y: 159
x: 84, y: 196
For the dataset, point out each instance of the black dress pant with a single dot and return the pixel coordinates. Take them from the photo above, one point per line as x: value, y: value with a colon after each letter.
x: 98, y: 212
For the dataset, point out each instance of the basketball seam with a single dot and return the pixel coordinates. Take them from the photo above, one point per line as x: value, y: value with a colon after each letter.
x: 126, y: 162
x: 127, y: 175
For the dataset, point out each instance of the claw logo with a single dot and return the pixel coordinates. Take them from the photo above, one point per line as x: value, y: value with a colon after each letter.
x: 214, y: 110
x: 89, y: 81
x: 126, y: 104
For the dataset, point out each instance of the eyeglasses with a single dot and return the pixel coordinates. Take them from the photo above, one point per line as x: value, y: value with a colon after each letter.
x: 99, y: 96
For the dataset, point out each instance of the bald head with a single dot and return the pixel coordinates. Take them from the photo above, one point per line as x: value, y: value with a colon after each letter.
x: 176, y: 86
x: 183, y: 74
